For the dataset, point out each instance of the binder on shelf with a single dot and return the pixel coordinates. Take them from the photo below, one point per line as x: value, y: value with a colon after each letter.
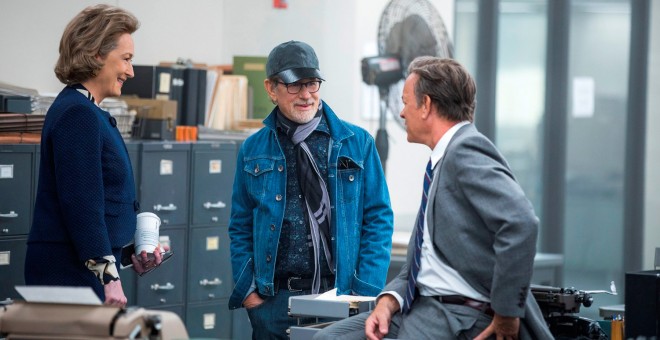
x: 194, y: 97
x: 254, y: 68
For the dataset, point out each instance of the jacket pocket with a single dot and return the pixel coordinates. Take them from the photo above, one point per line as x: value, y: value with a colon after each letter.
x: 350, y: 179
x: 259, y: 174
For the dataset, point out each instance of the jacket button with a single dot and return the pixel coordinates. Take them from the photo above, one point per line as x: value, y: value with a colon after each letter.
x: 136, y: 205
x: 268, y: 258
x: 256, y: 169
x: 278, y: 197
x: 113, y: 121
x: 351, y: 178
x: 280, y: 168
x: 272, y: 227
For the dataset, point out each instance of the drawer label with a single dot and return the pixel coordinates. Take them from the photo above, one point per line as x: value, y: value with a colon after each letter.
x: 209, y: 320
x: 215, y: 166
x: 164, y: 240
x: 164, y: 82
x: 212, y: 243
x: 166, y: 167
x: 4, y: 258
x: 6, y: 171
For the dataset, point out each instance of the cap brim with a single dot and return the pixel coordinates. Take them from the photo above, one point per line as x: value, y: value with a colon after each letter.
x: 293, y: 75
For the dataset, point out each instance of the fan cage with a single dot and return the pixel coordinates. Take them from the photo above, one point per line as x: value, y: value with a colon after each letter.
x: 394, y: 13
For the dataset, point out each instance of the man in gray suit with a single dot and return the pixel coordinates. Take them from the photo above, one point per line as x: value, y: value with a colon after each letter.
x: 470, y: 258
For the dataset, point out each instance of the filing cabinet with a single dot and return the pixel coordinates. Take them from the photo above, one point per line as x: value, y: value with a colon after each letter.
x: 133, y: 148
x: 208, y: 277
x: 35, y: 175
x: 164, y: 181
x: 213, y: 167
x: 128, y: 275
x: 210, y: 283
x: 12, y: 263
x: 188, y: 185
x: 165, y: 286
x: 17, y: 168
x: 16, y: 177
x: 209, y: 320
x: 164, y: 176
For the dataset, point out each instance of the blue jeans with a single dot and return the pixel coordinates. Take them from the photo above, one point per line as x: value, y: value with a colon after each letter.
x: 271, y: 320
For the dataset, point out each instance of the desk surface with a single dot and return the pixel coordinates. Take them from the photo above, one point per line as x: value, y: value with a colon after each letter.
x: 607, y: 312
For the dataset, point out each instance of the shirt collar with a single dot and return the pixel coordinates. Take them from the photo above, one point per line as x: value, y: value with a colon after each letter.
x: 80, y: 88
x: 441, y: 147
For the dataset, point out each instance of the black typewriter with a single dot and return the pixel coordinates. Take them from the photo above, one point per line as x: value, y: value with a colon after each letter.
x: 560, y: 307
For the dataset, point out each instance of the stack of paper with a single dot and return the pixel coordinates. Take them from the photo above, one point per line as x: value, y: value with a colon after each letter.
x: 229, y: 103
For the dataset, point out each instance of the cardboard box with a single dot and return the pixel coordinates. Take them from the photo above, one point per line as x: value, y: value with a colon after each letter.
x: 157, y: 129
x: 158, y: 82
x: 152, y: 108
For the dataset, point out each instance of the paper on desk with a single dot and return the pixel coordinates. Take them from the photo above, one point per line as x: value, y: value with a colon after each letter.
x: 331, y: 295
x: 59, y: 294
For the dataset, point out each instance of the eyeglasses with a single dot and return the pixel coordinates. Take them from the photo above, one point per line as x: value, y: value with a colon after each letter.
x: 294, y: 88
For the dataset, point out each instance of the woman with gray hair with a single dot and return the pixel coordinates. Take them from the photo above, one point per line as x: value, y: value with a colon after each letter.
x: 86, y: 205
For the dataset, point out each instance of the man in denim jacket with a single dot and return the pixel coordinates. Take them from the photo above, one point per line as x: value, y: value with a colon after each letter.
x: 310, y: 205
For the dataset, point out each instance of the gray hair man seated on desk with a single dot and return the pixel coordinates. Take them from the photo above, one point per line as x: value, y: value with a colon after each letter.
x: 470, y: 257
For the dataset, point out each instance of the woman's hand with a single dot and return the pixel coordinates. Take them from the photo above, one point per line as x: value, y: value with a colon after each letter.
x: 114, y: 294
x: 146, y: 262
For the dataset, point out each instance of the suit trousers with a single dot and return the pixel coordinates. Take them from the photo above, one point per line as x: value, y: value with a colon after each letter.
x: 427, y: 319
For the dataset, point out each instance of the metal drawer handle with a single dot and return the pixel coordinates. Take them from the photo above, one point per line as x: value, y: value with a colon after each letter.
x: 220, y: 204
x: 215, y: 282
x: 12, y: 214
x: 170, y: 207
x: 167, y: 286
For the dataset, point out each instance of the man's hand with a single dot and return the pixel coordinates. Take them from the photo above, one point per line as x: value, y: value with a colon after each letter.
x: 252, y: 300
x: 114, y: 294
x: 377, y: 324
x: 504, y: 328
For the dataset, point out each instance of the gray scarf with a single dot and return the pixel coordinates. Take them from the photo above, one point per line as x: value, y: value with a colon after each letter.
x: 314, y: 191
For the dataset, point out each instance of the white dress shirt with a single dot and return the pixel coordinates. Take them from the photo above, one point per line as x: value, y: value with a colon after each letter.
x: 436, y: 277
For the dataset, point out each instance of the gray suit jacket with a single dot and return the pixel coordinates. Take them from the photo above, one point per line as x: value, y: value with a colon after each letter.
x: 484, y: 227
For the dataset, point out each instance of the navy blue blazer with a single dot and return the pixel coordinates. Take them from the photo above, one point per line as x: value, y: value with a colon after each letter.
x: 86, y: 202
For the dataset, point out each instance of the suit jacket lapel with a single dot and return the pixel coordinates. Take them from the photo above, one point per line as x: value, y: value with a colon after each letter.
x: 437, y: 172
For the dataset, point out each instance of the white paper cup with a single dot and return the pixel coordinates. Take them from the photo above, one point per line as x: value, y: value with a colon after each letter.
x: 146, y: 232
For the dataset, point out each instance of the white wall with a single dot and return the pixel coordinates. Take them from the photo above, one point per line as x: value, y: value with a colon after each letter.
x: 212, y: 32
x: 30, y: 32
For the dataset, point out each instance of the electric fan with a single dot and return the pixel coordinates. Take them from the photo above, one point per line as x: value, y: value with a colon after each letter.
x: 407, y: 29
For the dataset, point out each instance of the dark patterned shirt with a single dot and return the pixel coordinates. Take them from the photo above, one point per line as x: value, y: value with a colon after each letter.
x: 295, y: 251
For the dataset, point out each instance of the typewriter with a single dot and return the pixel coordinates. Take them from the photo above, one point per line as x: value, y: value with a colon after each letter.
x: 560, y: 307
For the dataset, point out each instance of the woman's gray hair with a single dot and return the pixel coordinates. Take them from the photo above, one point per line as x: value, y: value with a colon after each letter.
x: 93, y: 32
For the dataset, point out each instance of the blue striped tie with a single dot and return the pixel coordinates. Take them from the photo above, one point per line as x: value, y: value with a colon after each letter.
x: 419, y: 235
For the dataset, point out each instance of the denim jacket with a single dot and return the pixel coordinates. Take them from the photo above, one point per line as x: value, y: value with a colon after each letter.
x: 362, y: 221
